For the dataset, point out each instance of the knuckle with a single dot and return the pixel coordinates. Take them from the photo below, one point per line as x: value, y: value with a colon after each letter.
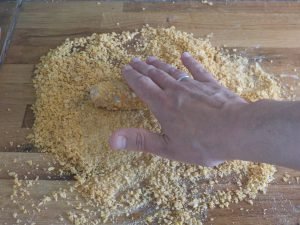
x: 199, y: 67
x: 140, y: 141
x: 178, y: 73
x: 142, y: 79
x: 170, y: 69
x: 135, y: 64
x: 164, y: 78
x: 214, y: 86
x: 157, y: 63
x: 165, y: 139
x: 192, y: 63
x: 153, y: 71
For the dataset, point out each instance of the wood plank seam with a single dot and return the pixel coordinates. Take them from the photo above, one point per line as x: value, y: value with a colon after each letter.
x: 10, y: 31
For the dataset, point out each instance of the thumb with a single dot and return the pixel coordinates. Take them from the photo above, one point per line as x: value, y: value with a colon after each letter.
x: 137, y: 139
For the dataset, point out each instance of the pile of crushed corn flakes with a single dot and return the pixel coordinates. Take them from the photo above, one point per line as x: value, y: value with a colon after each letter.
x: 122, y: 183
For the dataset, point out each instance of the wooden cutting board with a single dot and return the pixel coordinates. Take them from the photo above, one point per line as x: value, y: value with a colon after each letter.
x: 267, y: 32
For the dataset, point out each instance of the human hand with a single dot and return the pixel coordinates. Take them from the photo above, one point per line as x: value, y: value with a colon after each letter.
x: 197, y: 116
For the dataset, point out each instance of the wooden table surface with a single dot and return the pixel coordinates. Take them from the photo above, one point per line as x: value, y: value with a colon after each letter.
x: 268, y: 32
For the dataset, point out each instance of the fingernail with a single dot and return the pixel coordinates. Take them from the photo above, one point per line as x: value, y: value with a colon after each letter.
x: 120, y: 142
x: 151, y: 59
x: 186, y: 54
x: 135, y: 60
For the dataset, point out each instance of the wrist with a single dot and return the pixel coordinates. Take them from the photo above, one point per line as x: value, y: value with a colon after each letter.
x: 251, y: 135
x: 234, y: 124
x: 239, y: 138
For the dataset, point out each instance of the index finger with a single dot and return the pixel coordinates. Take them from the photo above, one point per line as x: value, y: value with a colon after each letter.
x: 144, y: 87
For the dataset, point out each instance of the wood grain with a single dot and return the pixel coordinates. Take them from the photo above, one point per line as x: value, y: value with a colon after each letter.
x: 265, y: 32
x: 16, y: 95
x: 7, y: 14
x: 288, y: 7
x: 30, y: 165
x: 284, y: 210
x: 52, y: 211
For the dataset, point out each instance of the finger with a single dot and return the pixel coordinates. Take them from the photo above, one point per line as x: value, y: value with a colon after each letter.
x: 196, y: 69
x: 161, y: 78
x: 174, y: 72
x: 144, y: 87
x: 137, y: 139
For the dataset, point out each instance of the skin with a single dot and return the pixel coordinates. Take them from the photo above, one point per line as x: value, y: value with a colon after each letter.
x: 203, y: 122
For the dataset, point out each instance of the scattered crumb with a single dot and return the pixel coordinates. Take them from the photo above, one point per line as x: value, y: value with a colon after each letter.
x: 51, y: 168
x: 286, y: 177
x: 207, y: 2
x: 265, y: 211
x: 250, y: 202
x: 62, y: 194
x: 29, y: 162
x: 80, y: 143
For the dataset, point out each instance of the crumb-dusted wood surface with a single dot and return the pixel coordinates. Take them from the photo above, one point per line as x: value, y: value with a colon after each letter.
x: 267, y: 32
